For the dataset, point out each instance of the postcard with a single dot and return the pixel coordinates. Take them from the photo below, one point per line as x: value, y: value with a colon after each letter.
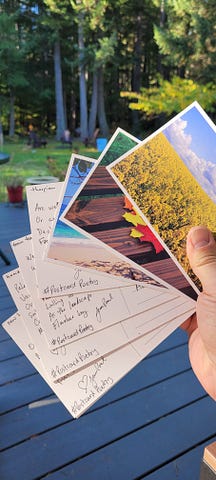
x: 73, y: 353
x: 64, y: 314
x: 85, y: 252
x: 90, y: 335
x: 78, y: 172
x: 77, y: 175
x: 80, y: 391
x: 69, y: 317
x: 53, y: 279
x: 142, y: 346
x: 171, y: 177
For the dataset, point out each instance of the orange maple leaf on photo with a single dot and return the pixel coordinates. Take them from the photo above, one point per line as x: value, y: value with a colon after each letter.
x: 127, y: 204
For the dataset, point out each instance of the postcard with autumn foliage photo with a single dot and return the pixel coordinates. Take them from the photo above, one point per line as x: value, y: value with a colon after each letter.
x: 171, y: 177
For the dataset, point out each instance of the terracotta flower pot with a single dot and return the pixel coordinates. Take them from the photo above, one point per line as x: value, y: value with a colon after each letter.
x: 15, y: 194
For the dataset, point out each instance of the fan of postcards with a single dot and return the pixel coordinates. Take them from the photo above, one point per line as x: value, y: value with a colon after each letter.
x: 87, y: 310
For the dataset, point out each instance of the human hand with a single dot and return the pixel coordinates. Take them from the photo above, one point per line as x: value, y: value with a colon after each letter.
x: 201, y: 252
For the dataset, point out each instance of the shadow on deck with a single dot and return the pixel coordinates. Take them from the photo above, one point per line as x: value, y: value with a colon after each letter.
x: 153, y: 424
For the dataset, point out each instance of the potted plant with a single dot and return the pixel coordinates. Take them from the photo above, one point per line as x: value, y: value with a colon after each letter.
x: 14, y: 187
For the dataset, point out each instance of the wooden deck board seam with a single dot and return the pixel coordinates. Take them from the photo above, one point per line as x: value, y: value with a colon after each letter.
x: 169, y: 349
x: 12, y: 358
x: 117, y: 439
x: 175, y: 457
x: 18, y: 407
x: 46, y: 430
x: 16, y: 380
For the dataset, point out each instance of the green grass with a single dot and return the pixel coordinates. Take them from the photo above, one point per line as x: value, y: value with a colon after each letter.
x: 27, y: 162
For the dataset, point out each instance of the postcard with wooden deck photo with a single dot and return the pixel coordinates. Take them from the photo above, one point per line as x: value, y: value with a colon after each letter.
x: 123, y: 229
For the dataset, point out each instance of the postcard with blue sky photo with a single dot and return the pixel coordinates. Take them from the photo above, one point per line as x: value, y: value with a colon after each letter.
x: 171, y: 176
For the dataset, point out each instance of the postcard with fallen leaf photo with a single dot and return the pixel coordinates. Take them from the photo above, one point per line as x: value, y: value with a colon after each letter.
x: 114, y: 221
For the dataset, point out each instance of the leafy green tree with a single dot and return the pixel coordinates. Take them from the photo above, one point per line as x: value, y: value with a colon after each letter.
x: 171, y: 97
x: 12, y: 62
x: 187, y: 39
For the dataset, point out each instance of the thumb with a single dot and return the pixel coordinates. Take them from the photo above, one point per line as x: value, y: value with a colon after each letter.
x: 201, y: 252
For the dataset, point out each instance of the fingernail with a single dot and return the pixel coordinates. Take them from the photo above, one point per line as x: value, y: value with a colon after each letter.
x: 200, y: 237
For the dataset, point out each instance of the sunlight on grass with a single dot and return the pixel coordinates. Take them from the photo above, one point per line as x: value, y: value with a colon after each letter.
x: 27, y: 162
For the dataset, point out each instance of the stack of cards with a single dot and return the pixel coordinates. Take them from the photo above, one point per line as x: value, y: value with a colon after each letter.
x: 103, y: 276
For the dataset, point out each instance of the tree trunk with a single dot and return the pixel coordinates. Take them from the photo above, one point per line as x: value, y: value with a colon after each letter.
x: 93, y: 108
x: 163, y: 70
x: 103, y: 125
x: 82, y: 84
x: 1, y: 135
x: 136, y: 74
x: 60, y: 116
x: 12, y: 116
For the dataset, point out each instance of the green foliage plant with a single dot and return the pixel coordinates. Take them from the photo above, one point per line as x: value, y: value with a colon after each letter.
x: 171, y: 97
x: 14, y: 181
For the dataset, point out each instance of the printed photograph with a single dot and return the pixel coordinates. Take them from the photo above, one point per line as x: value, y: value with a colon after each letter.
x: 172, y: 179
x: 120, y: 143
x: 78, y: 172
x: 112, y: 219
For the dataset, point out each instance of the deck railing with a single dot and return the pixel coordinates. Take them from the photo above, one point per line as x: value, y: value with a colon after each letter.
x: 208, y: 466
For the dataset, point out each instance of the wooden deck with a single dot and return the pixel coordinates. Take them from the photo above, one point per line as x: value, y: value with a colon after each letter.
x: 154, y: 424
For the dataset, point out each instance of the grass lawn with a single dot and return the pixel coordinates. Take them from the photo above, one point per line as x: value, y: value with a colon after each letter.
x: 27, y: 162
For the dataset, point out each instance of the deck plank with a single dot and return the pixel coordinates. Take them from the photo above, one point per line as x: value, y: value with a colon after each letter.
x: 22, y: 392
x: 15, y: 368
x: 153, y: 424
x: 140, y: 377
x: 8, y: 349
x: 184, y: 466
x: 121, y: 439
x: 130, y: 385
x: 28, y: 418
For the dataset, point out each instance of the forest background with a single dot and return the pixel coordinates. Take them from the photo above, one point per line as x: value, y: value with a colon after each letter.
x: 87, y: 64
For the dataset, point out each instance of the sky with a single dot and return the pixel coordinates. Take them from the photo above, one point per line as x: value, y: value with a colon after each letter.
x: 202, y: 134
x: 194, y: 139
x: 192, y: 131
x: 74, y: 181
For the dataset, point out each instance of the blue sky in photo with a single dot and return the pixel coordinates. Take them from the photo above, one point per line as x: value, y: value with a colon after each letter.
x: 194, y: 139
x: 203, y: 136
x: 75, y: 179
